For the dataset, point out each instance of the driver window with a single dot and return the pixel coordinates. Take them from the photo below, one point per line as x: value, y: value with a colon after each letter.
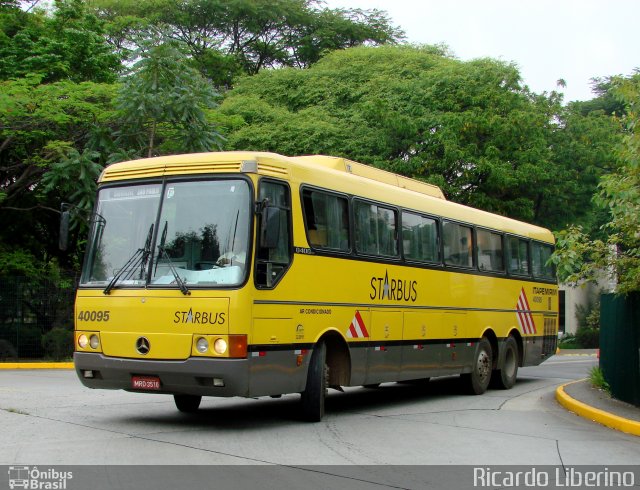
x: 273, y: 262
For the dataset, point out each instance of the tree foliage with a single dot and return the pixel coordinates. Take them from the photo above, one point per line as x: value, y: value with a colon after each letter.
x: 68, y: 45
x: 470, y: 127
x: 42, y: 125
x: 162, y: 104
x: 582, y: 258
x: 226, y: 38
x: 581, y: 153
x: 56, y: 74
x: 58, y: 132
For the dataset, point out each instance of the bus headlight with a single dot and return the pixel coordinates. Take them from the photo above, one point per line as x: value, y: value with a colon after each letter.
x: 88, y: 341
x: 220, y: 346
x: 83, y: 341
x: 202, y: 345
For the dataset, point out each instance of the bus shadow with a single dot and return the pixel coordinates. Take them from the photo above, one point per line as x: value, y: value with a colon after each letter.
x: 260, y: 413
x: 401, y: 395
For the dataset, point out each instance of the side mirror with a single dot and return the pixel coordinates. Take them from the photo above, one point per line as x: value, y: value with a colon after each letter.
x: 63, y: 238
x: 270, y: 227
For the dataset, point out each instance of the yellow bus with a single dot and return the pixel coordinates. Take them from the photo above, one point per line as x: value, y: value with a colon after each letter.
x: 254, y: 274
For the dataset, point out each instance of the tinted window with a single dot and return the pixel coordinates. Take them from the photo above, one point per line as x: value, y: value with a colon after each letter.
x: 458, y: 244
x: 539, y: 258
x: 490, y: 256
x: 420, y: 238
x: 518, y: 260
x: 272, y: 263
x: 326, y: 219
x: 375, y: 229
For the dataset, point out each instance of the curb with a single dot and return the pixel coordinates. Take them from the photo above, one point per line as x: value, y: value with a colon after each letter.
x: 36, y: 365
x: 577, y: 352
x: 562, y: 353
x: 595, y: 414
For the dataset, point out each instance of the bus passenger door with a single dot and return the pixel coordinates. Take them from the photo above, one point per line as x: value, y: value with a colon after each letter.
x: 385, y: 351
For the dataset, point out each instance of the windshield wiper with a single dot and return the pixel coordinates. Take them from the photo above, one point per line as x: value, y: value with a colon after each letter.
x: 161, y: 248
x: 139, y: 259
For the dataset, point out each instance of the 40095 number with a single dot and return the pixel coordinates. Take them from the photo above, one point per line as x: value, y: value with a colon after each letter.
x: 93, y: 316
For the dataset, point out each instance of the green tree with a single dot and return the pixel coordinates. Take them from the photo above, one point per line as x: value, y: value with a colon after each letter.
x: 582, y: 258
x: 42, y: 125
x: 55, y: 139
x: 470, y: 127
x: 67, y: 45
x: 226, y: 38
x: 606, y: 101
x: 582, y: 151
x: 75, y: 177
x: 162, y: 104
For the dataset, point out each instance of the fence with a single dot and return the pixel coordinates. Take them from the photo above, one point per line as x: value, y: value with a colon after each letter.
x: 36, y: 318
x: 620, y: 345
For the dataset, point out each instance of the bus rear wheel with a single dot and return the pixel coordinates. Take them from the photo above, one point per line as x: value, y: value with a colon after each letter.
x: 314, y: 395
x: 478, y: 379
x: 187, y: 403
x: 505, y: 377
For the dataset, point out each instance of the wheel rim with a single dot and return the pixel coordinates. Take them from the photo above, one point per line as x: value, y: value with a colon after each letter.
x: 484, y: 365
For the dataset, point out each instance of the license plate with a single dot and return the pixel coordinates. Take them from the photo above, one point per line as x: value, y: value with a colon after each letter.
x: 145, y: 383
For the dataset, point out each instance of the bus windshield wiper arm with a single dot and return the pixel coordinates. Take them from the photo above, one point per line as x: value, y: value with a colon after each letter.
x: 161, y: 248
x: 139, y: 258
x: 181, y: 284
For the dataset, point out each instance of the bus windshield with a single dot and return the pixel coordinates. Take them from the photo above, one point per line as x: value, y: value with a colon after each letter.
x: 174, y: 234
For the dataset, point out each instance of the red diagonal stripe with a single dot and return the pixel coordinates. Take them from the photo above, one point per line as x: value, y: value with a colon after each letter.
x: 365, y: 333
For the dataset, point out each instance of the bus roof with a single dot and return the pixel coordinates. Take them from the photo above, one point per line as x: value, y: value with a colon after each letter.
x: 333, y: 173
x: 232, y: 161
x: 373, y: 173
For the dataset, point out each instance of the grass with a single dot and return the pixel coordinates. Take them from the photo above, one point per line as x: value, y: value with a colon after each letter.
x: 568, y: 341
x: 596, y: 376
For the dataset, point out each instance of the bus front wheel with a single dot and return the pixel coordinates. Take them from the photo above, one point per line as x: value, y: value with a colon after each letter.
x: 313, y: 396
x: 478, y: 379
x: 187, y: 403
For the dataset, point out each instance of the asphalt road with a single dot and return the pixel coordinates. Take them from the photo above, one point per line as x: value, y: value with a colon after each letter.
x: 49, y: 418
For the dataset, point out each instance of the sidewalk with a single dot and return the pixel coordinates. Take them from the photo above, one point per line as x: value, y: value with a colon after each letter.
x: 594, y: 404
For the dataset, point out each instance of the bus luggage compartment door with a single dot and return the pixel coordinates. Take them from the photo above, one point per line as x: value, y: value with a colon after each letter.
x: 385, y: 351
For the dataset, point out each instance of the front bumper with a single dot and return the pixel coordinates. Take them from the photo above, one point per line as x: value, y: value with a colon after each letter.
x: 193, y: 376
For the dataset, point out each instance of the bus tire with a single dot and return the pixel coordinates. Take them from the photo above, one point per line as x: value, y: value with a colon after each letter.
x: 187, y: 403
x: 478, y: 379
x: 505, y: 377
x: 313, y: 396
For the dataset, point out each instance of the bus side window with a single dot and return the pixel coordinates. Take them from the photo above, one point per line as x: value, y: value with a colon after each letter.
x: 539, y: 261
x: 518, y: 261
x: 419, y: 238
x: 326, y: 219
x: 458, y: 244
x: 490, y: 251
x: 273, y: 262
x: 375, y: 229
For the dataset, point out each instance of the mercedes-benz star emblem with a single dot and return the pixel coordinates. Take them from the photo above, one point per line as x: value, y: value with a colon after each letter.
x: 143, y: 346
